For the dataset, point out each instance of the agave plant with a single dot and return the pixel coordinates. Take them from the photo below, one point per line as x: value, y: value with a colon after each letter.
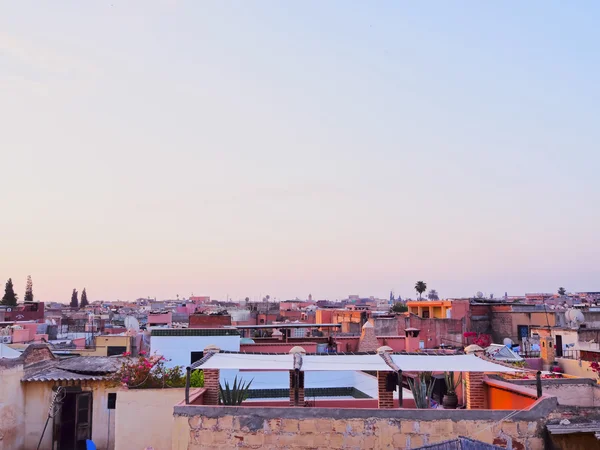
x: 236, y: 394
x: 421, y: 388
x: 451, y: 385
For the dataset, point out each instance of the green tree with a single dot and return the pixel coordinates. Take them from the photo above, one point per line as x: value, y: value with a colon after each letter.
x: 84, y: 300
x: 399, y: 307
x: 10, y: 298
x: 562, y: 291
x: 433, y: 295
x: 420, y: 287
x: 74, y: 301
x: 28, y: 290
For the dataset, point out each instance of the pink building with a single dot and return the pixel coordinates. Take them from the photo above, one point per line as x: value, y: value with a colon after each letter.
x: 164, y: 319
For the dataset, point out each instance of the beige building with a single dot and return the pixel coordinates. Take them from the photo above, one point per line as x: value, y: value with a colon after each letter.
x: 77, y: 387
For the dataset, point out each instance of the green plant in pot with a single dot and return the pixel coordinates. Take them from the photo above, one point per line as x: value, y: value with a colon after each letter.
x: 422, y: 387
x: 234, y: 395
x: 450, y: 400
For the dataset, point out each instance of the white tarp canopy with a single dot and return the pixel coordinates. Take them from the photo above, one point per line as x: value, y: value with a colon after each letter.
x: 243, y: 361
x: 409, y: 363
x: 447, y: 363
x: 344, y: 362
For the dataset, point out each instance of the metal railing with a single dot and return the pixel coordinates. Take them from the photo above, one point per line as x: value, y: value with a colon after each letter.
x: 570, y: 354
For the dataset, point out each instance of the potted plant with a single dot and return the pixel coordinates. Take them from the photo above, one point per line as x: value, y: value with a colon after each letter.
x: 450, y: 400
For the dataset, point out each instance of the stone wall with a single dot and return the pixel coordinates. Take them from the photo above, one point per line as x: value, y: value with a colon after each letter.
x: 198, y: 427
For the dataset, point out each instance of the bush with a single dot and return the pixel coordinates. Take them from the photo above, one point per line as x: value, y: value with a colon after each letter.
x: 147, y: 372
x: 197, y: 379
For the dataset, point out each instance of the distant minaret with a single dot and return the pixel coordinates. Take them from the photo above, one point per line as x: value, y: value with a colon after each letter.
x: 310, y: 297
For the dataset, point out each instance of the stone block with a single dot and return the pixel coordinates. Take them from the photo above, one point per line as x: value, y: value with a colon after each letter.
x: 442, y: 428
x: 414, y: 441
x: 225, y: 423
x: 195, y: 422
x: 271, y: 439
x: 336, y: 440
x: 272, y: 426
x: 409, y: 426
x: 399, y: 440
x: 510, y: 428
x: 254, y: 439
x: 289, y: 425
x: 308, y: 426
x: 209, y: 423
x: 324, y: 425
x: 288, y: 439
x: 355, y: 426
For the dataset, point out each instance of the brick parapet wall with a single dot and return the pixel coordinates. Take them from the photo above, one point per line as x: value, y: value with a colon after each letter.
x: 300, y: 390
x: 385, y: 399
x: 475, y: 390
x: 211, y: 384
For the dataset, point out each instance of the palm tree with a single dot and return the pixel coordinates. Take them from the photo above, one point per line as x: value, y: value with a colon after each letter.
x: 420, y: 287
x: 433, y: 295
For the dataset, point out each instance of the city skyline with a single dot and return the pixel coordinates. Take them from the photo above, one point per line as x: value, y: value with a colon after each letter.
x: 323, y: 148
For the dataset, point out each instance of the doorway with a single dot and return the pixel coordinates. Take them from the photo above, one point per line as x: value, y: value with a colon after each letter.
x: 559, y: 347
x: 73, y: 422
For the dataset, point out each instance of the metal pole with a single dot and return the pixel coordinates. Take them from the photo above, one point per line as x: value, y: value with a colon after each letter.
x: 188, y: 374
x: 538, y: 382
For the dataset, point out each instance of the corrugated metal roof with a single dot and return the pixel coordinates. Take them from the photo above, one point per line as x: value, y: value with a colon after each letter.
x: 56, y: 374
x: 90, y: 364
x: 460, y: 444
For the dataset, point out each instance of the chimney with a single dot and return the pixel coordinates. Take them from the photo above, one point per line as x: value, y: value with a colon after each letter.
x: 412, y: 339
x: 368, y: 340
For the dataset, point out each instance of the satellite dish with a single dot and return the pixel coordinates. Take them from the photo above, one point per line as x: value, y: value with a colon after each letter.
x: 131, y: 323
x: 574, y: 317
x: 508, y: 342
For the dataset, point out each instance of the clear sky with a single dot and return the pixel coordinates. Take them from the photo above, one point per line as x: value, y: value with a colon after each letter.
x: 155, y: 148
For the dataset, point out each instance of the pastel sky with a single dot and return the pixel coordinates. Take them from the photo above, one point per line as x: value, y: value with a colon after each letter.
x: 245, y: 148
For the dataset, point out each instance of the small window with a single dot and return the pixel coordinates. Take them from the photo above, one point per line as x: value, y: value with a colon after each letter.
x: 112, y: 400
x: 113, y: 350
x: 196, y: 356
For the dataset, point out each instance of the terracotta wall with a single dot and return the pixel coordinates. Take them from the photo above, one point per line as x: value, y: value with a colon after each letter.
x: 513, y: 397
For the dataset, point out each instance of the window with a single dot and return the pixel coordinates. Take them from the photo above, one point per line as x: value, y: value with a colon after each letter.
x: 522, y: 331
x: 196, y: 356
x: 112, y: 400
x: 114, y: 350
x: 425, y: 314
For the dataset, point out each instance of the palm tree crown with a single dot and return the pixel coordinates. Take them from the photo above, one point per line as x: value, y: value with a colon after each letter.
x: 420, y: 287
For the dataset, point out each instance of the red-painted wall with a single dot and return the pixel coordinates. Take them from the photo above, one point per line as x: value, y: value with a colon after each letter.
x: 209, y: 321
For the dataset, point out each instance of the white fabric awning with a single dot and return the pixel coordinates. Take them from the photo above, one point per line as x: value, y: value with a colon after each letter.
x: 248, y: 362
x: 447, y: 363
x: 344, y: 362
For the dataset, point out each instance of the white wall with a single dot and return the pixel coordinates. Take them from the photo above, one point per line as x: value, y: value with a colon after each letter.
x: 178, y: 349
x: 12, y: 409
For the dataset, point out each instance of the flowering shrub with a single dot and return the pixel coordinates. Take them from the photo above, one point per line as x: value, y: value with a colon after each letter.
x: 595, y: 367
x: 483, y: 340
x: 147, y: 372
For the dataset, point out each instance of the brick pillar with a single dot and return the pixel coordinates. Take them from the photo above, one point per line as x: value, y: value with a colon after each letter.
x: 300, y: 388
x: 211, y: 383
x: 385, y: 397
x: 547, y: 352
x: 475, y: 390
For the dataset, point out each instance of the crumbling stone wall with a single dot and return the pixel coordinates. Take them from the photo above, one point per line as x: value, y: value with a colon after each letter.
x: 197, y: 427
